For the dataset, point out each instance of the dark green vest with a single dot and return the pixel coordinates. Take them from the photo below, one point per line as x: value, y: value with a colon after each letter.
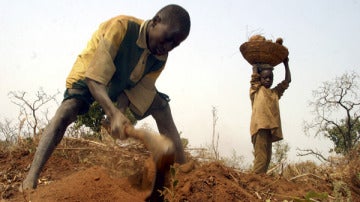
x: 125, y: 61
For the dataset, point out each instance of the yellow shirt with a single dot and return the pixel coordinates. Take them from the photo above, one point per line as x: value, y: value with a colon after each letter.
x: 265, y: 107
x: 117, y: 56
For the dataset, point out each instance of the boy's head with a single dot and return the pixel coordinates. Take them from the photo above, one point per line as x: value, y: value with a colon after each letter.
x: 266, y: 77
x: 167, y: 29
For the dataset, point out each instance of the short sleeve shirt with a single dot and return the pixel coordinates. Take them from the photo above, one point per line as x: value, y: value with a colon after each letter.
x: 265, y: 107
x: 117, y: 56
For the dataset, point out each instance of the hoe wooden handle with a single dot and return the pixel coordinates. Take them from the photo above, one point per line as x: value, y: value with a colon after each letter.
x: 163, y: 153
x: 161, y: 147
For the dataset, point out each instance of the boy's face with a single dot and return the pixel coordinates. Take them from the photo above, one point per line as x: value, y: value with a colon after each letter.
x: 266, y: 78
x: 162, y: 37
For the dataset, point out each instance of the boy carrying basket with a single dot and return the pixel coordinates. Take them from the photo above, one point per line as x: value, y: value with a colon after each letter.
x: 265, y: 126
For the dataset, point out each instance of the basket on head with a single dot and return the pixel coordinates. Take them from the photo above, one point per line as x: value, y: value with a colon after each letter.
x: 264, y: 52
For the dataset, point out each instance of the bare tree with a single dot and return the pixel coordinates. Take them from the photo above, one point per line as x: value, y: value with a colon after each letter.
x: 215, y: 136
x: 336, y: 107
x: 8, y: 131
x: 234, y: 160
x: 280, y: 152
x: 316, y: 153
x: 29, y: 108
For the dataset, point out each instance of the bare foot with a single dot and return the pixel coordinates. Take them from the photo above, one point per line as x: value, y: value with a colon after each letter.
x: 27, y: 185
x: 187, y: 167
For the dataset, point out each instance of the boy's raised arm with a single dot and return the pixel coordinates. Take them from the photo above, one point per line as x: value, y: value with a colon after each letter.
x: 255, y: 69
x: 287, y: 70
x: 254, y: 82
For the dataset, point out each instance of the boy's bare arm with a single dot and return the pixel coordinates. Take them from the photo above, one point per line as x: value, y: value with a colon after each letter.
x: 255, y: 69
x: 254, y: 82
x: 117, y: 119
x: 287, y: 70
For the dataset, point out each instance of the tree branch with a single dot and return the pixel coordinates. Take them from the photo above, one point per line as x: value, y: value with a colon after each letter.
x: 307, y: 152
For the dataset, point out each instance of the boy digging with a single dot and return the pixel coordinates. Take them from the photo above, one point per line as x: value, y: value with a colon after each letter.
x: 121, y: 64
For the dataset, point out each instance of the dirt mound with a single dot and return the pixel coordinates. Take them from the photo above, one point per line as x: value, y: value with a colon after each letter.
x: 82, y: 170
x: 92, y: 184
x: 216, y: 182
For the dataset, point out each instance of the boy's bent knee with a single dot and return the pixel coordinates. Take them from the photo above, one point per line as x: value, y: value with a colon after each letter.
x: 81, y: 99
x: 161, y: 101
x: 158, y: 106
x: 68, y: 111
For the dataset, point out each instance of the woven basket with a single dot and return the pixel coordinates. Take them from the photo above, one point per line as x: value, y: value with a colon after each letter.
x: 263, y: 52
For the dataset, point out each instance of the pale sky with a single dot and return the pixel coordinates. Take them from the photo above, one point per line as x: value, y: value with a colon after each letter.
x: 40, y: 40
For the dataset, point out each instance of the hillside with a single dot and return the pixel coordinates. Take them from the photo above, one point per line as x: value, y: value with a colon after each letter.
x: 84, y: 170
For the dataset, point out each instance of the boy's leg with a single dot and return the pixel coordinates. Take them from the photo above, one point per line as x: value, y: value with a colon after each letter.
x: 262, y: 151
x: 53, y: 133
x: 160, y: 111
x: 268, y: 149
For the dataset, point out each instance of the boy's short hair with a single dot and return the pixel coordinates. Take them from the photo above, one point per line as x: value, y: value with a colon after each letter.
x: 175, y: 14
x: 262, y: 67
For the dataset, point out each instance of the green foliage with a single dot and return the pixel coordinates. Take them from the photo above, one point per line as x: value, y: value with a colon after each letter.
x: 309, y: 197
x: 173, y: 175
x: 130, y: 116
x: 336, y: 112
x: 341, y: 191
x: 92, y: 118
x: 184, y: 142
x: 280, y: 151
x: 95, y: 117
x: 339, y: 134
x: 315, y: 195
x: 169, y: 193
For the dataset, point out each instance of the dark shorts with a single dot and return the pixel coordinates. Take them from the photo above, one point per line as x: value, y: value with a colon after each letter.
x: 82, y: 94
x: 160, y: 101
x: 85, y: 96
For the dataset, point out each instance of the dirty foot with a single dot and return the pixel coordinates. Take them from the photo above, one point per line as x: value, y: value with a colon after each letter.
x: 187, y: 167
x: 27, y: 184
